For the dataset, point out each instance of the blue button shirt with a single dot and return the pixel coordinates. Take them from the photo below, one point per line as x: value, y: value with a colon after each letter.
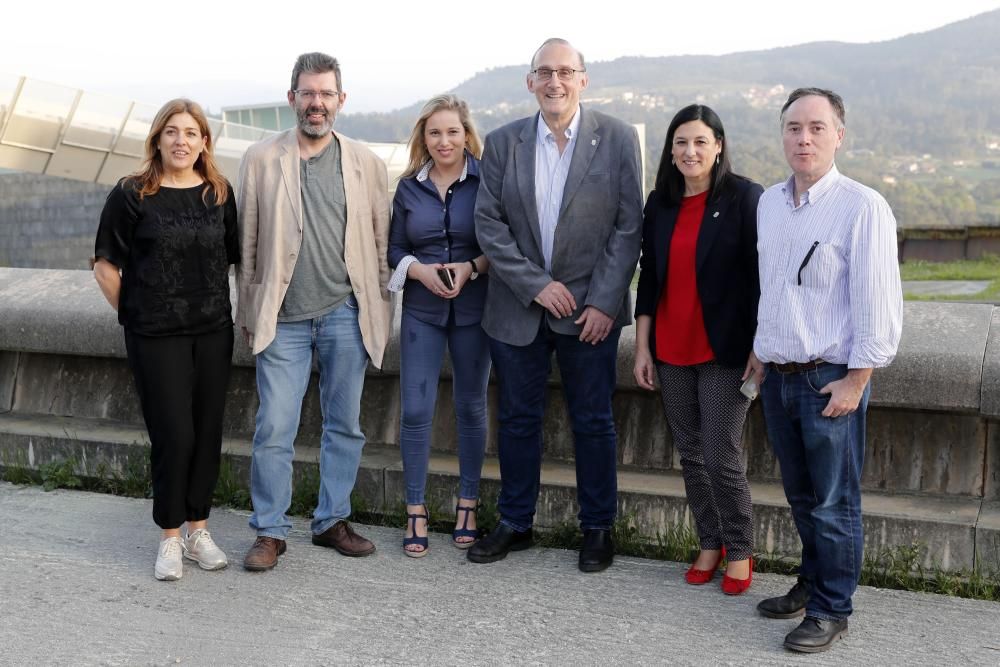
x: 434, y: 231
x: 551, y: 172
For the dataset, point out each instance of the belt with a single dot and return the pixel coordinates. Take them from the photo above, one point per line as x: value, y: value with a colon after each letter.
x: 795, y: 367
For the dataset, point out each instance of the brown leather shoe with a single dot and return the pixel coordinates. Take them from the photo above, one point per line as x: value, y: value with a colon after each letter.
x: 341, y: 536
x: 263, y: 555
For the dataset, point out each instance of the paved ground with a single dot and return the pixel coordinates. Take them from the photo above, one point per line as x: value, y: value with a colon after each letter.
x: 77, y: 587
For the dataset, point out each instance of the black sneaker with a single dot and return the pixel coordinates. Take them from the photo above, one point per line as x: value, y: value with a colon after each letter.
x: 789, y: 605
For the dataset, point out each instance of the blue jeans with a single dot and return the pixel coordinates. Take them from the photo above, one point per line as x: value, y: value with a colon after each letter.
x: 421, y: 354
x: 588, y: 382
x: 821, y: 460
x: 283, y: 371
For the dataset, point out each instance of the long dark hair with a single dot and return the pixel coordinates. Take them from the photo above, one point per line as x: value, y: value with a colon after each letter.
x: 669, y: 179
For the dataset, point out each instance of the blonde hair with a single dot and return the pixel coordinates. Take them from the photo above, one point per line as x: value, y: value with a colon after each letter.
x: 147, y: 179
x: 418, y: 149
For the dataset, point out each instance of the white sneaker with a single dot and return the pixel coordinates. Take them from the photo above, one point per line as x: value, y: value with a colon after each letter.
x: 202, y: 549
x: 168, y: 560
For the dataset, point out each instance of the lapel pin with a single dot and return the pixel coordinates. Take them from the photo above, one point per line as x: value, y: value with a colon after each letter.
x: 593, y: 142
x: 715, y: 215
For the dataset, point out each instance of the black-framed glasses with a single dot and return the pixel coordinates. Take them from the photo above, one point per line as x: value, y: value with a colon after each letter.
x: 564, y: 73
x: 310, y: 95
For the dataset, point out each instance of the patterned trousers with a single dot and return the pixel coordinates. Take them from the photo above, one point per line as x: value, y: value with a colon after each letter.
x: 706, y: 411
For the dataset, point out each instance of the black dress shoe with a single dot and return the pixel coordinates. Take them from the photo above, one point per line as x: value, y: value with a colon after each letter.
x: 815, y: 635
x: 498, y: 543
x: 789, y: 605
x: 598, y: 550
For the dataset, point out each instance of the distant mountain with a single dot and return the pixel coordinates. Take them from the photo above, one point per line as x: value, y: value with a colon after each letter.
x: 922, y: 110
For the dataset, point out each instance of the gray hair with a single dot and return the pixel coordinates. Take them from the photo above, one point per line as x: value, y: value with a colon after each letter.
x: 562, y: 42
x: 835, y: 100
x: 315, y: 63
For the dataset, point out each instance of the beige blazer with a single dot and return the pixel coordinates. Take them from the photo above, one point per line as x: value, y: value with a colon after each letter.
x: 270, y: 222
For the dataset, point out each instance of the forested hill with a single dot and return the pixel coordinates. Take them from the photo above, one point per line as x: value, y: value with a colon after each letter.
x: 923, y: 111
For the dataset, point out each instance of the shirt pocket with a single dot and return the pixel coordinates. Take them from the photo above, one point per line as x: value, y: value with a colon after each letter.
x: 815, y: 265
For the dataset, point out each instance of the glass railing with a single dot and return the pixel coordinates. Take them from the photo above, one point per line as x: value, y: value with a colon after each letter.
x: 8, y: 89
x: 61, y: 131
x: 394, y: 156
x: 51, y: 129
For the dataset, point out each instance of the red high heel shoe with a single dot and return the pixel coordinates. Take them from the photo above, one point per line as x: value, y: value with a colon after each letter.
x: 732, y: 586
x: 697, y: 577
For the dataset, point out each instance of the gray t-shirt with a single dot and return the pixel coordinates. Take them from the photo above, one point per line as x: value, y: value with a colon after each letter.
x: 319, y: 282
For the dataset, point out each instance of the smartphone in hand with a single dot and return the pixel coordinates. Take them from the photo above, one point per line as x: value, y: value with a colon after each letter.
x: 750, y: 388
x: 447, y: 278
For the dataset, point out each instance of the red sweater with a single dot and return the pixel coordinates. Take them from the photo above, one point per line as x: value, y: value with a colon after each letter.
x: 681, y: 339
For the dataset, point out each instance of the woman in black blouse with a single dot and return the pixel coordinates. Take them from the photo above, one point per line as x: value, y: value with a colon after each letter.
x: 695, y: 317
x: 166, y: 240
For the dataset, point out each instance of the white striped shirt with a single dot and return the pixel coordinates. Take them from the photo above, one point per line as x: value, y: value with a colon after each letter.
x: 845, y: 305
x: 551, y: 171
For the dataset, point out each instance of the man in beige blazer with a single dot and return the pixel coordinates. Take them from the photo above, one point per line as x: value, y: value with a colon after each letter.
x: 314, y: 226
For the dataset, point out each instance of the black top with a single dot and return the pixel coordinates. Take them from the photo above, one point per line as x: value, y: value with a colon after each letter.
x: 174, y: 252
x: 725, y: 266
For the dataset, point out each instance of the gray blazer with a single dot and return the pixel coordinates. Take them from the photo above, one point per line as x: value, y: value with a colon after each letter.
x: 597, y: 238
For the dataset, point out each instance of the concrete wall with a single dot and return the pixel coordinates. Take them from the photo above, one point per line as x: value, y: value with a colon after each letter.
x: 48, y: 222
x: 947, y: 244
x: 932, y: 467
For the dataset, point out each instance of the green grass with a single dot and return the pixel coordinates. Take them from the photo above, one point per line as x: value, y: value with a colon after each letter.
x: 230, y: 489
x: 59, y: 475
x: 991, y: 293
x: 19, y: 472
x: 987, y: 268
x: 305, y: 490
x: 135, y: 480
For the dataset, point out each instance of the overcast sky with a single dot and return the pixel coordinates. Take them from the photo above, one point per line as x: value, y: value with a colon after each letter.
x: 395, y: 53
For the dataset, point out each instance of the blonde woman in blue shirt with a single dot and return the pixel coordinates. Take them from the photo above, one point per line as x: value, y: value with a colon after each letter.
x: 435, y: 256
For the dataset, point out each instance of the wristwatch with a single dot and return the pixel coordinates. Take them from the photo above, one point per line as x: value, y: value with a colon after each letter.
x: 475, y: 271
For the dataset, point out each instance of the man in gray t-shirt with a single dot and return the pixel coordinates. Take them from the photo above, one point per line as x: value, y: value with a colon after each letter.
x: 320, y: 282
x: 314, y: 220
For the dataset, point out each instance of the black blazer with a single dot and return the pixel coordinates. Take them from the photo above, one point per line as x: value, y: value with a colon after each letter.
x: 725, y: 266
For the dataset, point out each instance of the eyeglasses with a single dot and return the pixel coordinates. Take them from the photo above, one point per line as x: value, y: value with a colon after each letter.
x: 564, y: 73
x: 310, y: 95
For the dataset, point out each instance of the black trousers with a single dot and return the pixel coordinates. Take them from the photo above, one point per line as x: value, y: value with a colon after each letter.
x: 181, y: 382
x: 706, y: 411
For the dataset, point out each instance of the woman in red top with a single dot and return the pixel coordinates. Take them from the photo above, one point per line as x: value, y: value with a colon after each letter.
x: 696, y: 313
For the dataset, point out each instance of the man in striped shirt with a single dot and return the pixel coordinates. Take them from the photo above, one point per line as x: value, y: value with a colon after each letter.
x: 830, y: 312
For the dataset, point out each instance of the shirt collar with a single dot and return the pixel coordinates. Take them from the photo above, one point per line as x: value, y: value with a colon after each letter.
x: 574, y: 126
x: 425, y: 171
x: 819, y: 188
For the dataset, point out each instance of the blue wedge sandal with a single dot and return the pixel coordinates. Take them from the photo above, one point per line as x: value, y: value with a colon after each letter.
x: 415, y: 540
x: 465, y: 531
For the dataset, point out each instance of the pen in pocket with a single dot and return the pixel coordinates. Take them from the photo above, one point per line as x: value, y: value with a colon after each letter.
x: 806, y: 260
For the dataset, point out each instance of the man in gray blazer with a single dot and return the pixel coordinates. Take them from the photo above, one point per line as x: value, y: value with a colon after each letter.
x: 559, y: 215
